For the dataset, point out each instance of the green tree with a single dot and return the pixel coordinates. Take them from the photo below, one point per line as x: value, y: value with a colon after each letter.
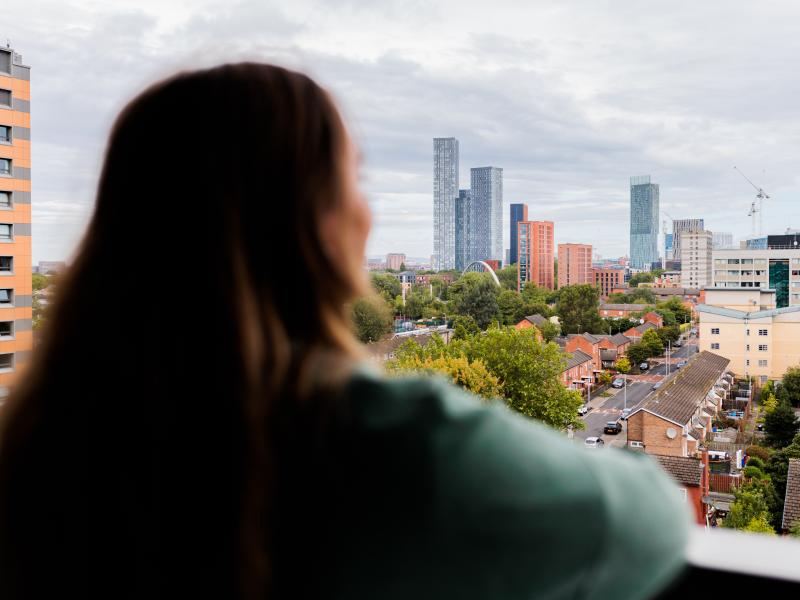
x: 668, y: 334
x: 791, y: 385
x: 402, y: 267
x: 676, y: 307
x: 621, y: 325
x: 475, y: 294
x: 778, y: 465
x: 549, y: 331
x: 645, y: 277
x: 470, y: 375
x: 759, y: 524
x: 781, y: 425
x: 749, y: 505
x: 464, y: 326
x: 508, y: 277
x: 416, y: 303
x: 387, y: 285
x: 623, y: 365
x: 531, y: 374
x: 769, y: 403
x: 638, y: 353
x: 578, y: 309
x: 372, y: 318
x: 40, y: 282
x: 512, y: 307
x: 652, y: 341
x: 642, y: 296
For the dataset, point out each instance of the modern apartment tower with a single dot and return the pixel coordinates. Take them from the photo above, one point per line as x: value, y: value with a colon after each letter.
x: 535, y: 254
x: 16, y: 335
x: 574, y: 264
x: 486, y: 184
x: 519, y: 212
x: 695, y: 257
x: 463, y: 229
x: 678, y: 227
x: 445, y: 192
x: 644, y: 222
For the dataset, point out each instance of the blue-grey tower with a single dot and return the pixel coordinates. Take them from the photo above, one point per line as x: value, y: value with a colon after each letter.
x: 463, y: 230
x: 486, y: 184
x: 445, y: 192
x: 644, y: 222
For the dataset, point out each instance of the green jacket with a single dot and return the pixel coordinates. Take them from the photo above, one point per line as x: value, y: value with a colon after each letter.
x: 429, y: 492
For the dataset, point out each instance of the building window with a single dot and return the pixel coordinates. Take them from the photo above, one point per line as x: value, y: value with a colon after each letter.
x: 6, y: 264
x: 5, y: 98
x: 6, y: 329
x: 747, y: 348
x: 5, y: 166
x: 5, y: 134
x: 747, y: 332
x: 635, y: 444
x: 6, y: 232
x: 6, y: 296
x: 7, y: 360
x: 762, y: 332
x: 762, y: 363
x: 747, y: 363
x: 714, y: 330
x: 762, y: 347
x: 764, y: 379
x: 5, y: 61
x: 5, y: 199
x: 715, y: 346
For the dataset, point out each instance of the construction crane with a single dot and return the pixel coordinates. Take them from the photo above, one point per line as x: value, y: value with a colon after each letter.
x: 761, y: 195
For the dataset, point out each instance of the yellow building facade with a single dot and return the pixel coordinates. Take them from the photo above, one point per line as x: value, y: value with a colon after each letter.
x: 744, y: 326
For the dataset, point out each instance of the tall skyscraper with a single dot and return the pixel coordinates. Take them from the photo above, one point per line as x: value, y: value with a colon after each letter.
x: 574, y: 264
x: 519, y: 212
x: 644, y: 222
x: 678, y: 227
x: 16, y: 325
x: 535, y: 254
x: 445, y: 192
x: 463, y: 229
x: 486, y: 184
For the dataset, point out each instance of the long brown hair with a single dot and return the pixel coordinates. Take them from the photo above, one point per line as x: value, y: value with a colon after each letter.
x: 139, y: 438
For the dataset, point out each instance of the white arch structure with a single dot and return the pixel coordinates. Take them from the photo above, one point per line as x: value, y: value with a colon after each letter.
x: 479, y: 266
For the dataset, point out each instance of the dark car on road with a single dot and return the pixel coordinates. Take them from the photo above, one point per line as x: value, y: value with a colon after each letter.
x: 613, y: 427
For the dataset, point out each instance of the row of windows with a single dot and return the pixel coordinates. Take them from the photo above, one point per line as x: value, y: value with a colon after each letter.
x: 761, y: 363
x: 715, y: 331
x: 761, y: 347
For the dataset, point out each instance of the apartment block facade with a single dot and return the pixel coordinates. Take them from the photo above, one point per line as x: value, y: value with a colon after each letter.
x: 574, y: 264
x: 16, y: 324
x: 679, y: 226
x: 696, y: 247
x: 535, y: 254
x: 767, y: 268
x: 607, y: 279
x: 395, y: 261
x: 463, y: 229
x: 744, y: 326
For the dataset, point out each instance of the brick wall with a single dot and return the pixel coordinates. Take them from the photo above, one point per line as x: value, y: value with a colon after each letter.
x: 652, y: 431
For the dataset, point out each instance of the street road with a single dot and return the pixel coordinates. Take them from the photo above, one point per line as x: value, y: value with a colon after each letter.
x: 639, y: 388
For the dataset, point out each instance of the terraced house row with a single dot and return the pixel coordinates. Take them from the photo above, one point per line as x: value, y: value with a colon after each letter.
x: 16, y: 335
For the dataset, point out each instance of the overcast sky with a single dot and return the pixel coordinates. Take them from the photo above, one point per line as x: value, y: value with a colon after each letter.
x: 571, y: 98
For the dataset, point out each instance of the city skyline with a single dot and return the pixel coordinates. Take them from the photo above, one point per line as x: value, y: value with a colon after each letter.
x: 561, y: 97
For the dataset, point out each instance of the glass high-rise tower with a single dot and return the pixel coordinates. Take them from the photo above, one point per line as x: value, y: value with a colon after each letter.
x: 644, y: 222
x: 486, y: 184
x: 445, y: 192
x: 519, y: 212
x: 463, y: 229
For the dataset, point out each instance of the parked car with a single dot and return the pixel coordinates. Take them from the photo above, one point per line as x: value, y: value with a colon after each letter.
x: 583, y: 409
x: 593, y: 442
x: 677, y: 344
x: 626, y: 412
x: 618, y: 383
x: 680, y: 364
x: 657, y: 385
x: 644, y: 366
x: 613, y: 427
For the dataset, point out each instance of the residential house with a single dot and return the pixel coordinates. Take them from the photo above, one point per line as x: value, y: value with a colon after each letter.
x: 635, y: 333
x: 385, y: 349
x: 612, y: 348
x: 691, y: 475
x: 654, y: 318
x: 578, y: 371
x: 791, y: 502
x: 531, y: 321
x: 618, y: 311
x: 674, y: 421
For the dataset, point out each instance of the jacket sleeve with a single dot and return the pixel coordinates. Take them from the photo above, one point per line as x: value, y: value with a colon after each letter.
x: 546, y: 517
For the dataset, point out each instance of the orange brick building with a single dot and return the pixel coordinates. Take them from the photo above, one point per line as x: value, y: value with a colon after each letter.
x: 574, y: 264
x: 535, y: 254
x: 16, y: 324
x: 608, y: 279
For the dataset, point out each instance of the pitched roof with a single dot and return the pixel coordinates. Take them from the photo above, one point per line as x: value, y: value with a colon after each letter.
x: 608, y: 354
x: 740, y: 314
x: 680, y: 396
x: 620, y: 339
x: 675, y: 291
x: 791, y: 504
x: 684, y: 470
x: 629, y: 307
x: 592, y: 339
x: 640, y: 329
x: 578, y: 358
x: 536, y: 319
